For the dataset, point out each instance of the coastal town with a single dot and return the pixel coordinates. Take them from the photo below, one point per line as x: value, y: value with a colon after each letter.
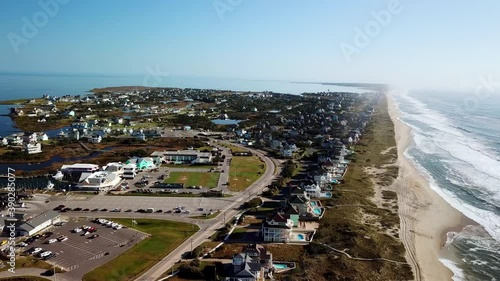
x: 202, y: 185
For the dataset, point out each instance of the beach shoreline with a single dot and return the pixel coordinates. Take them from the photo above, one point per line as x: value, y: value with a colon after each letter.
x: 425, y: 217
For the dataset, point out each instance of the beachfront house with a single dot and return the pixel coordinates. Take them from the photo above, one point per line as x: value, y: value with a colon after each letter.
x: 312, y: 189
x: 253, y: 263
x: 276, y: 228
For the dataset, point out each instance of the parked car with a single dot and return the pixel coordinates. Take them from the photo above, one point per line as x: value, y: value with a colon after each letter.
x: 62, y: 238
x: 104, y: 210
x: 36, y: 250
x: 128, y: 210
x: 95, y: 210
x: 45, y: 254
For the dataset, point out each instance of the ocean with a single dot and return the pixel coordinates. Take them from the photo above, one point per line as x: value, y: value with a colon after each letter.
x: 456, y: 143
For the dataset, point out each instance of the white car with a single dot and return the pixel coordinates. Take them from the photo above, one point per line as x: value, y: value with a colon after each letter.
x: 109, y: 223
x: 37, y: 250
x: 118, y: 227
x: 52, y: 241
x: 45, y: 254
x: 76, y: 230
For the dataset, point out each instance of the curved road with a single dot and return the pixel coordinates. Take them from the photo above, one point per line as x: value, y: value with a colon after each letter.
x: 210, y: 226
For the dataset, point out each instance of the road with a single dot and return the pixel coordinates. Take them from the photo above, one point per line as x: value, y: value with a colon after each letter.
x: 228, y: 212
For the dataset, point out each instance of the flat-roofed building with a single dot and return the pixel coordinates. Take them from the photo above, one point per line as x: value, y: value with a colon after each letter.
x: 38, y: 223
x: 184, y: 156
x: 99, y: 181
x: 80, y: 167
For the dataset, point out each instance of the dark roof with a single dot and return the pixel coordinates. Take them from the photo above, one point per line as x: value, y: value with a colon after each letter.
x: 291, y: 210
x: 278, y: 217
x: 296, y: 190
x: 297, y: 200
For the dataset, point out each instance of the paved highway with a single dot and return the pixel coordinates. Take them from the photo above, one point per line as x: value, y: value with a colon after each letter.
x: 228, y: 212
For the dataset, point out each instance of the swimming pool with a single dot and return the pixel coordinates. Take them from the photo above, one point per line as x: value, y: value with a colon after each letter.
x: 326, y: 194
x: 280, y: 265
x: 317, y: 211
x: 313, y: 203
x: 301, y: 237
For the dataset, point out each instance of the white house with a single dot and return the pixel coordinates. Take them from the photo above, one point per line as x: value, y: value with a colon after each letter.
x: 129, y: 171
x: 30, y: 137
x: 43, y: 137
x: 95, y: 139
x: 4, y: 141
x: 114, y: 167
x: 33, y: 148
x: 312, y: 190
x: 277, y: 228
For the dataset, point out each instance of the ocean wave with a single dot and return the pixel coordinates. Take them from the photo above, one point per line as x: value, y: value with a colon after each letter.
x: 489, y: 220
x: 472, y: 254
x: 458, y: 273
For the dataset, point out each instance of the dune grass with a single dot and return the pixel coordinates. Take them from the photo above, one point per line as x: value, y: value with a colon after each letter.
x: 343, y: 227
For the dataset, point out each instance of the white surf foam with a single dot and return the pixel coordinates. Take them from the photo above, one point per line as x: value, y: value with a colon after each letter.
x: 462, y: 155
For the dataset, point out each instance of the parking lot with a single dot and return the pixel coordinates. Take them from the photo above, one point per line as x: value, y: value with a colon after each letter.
x: 81, y: 253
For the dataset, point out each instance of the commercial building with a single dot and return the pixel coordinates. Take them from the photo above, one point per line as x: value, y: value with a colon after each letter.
x: 38, y: 223
x: 99, y: 181
x: 184, y: 156
x: 79, y: 168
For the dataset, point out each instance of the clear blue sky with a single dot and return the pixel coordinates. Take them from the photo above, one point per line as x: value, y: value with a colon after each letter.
x: 428, y: 43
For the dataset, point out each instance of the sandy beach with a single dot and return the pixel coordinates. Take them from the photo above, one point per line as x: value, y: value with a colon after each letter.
x: 425, y: 216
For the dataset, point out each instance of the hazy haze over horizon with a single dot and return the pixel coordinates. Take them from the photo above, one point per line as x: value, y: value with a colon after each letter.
x: 424, y: 44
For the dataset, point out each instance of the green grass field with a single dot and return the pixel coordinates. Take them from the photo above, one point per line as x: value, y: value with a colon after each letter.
x: 194, y: 178
x: 244, y: 171
x: 165, y: 236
